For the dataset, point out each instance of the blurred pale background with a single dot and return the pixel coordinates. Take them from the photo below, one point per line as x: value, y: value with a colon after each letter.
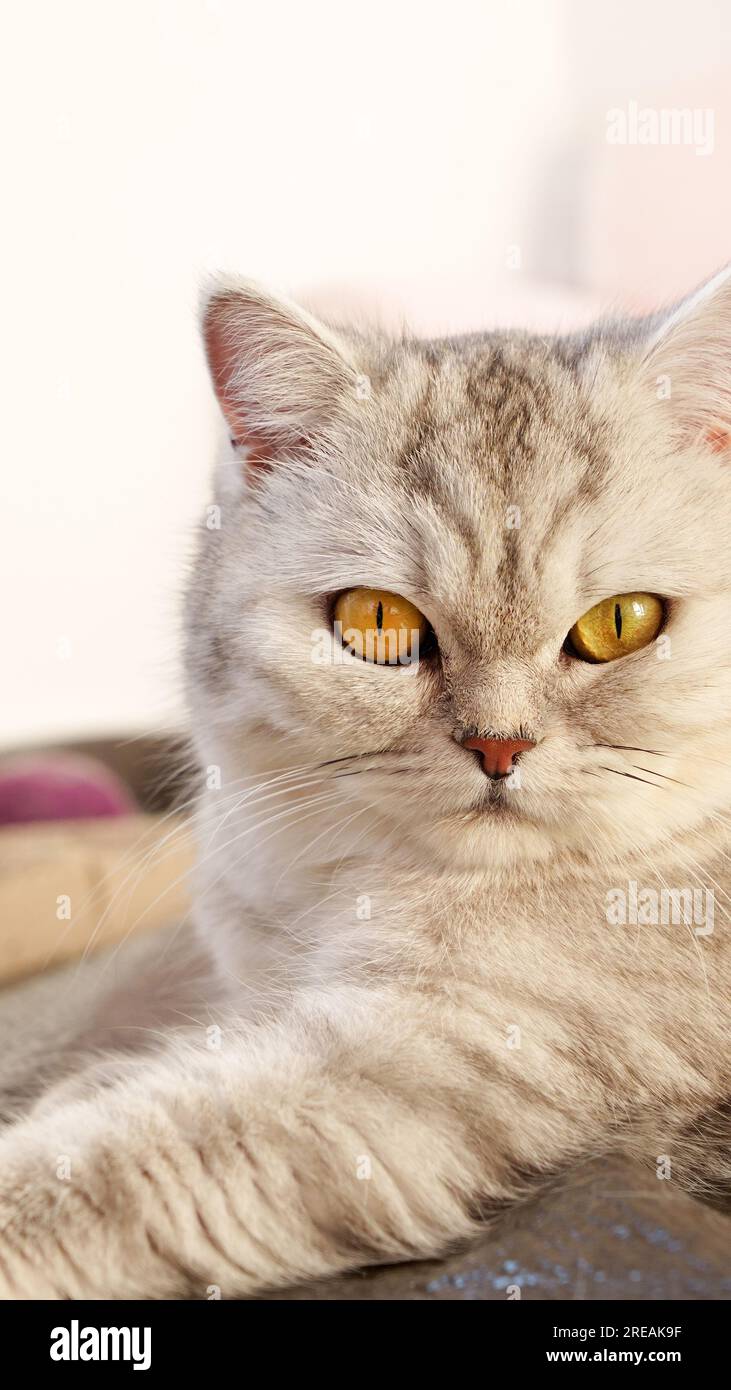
x: 446, y: 162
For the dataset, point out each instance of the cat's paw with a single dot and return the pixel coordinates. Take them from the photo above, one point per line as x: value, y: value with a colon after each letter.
x: 31, y: 1248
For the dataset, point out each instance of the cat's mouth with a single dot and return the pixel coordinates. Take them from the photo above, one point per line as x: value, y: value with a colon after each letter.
x: 498, y: 799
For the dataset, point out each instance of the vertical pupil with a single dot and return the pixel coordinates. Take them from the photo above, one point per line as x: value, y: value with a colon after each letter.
x: 618, y: 619
x: 379, y: 616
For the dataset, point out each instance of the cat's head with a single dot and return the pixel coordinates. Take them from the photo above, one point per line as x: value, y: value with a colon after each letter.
x: 503, y: 486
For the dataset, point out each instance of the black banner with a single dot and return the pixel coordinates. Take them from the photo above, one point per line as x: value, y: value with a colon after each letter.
x: 242, y: 1338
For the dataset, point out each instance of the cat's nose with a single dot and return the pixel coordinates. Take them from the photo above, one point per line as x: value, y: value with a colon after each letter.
x: 498, y: 754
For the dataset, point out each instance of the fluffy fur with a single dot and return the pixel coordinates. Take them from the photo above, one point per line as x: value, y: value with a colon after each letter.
x: 408, y: 1005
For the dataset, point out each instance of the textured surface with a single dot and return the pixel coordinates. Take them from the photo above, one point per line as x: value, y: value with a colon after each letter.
x: 618, y: 1233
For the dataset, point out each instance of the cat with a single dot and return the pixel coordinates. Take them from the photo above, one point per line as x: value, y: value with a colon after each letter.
x: 406, y: 1003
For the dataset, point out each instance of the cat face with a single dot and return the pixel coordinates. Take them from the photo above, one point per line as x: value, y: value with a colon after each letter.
x: 502, y: 487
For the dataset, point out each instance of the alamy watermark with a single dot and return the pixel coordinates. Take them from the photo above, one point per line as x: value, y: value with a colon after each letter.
x: 661, y: 907
x: 382, y: 646
x: 80, y: 1343
x: 653, y: 125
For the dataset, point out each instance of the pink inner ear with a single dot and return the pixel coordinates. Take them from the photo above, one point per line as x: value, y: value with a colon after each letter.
x: 260, y: 450
x: 222, y: 355
x: 263, y: 451
x: 718, y: 440
x: 223, y: 351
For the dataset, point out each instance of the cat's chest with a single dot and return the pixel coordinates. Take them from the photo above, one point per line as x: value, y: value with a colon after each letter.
x: 619, y: 942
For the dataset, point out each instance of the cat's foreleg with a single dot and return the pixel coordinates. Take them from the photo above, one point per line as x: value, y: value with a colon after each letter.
x: 297, y: 1151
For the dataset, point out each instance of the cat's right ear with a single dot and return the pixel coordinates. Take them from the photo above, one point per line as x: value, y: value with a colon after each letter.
x: 687, y: 364
x: 278, y: 373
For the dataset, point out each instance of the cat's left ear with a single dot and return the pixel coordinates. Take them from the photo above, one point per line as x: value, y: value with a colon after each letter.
x: 278, y: 373
x: 687, y: 364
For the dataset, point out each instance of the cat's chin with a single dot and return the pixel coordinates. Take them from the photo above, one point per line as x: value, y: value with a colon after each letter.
x: 492, y: 837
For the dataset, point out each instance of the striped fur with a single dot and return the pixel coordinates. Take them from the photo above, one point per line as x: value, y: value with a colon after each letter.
x: 424, y: 1011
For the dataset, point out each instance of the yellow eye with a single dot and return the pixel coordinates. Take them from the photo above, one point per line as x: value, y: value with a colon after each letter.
x: 617, y: 626
x: 380, y: 627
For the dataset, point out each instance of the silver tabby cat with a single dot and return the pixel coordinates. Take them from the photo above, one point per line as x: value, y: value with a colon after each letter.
x: 412, y: 995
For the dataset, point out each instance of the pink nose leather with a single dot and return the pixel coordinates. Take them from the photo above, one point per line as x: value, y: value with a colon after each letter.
x: 498, y: 753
